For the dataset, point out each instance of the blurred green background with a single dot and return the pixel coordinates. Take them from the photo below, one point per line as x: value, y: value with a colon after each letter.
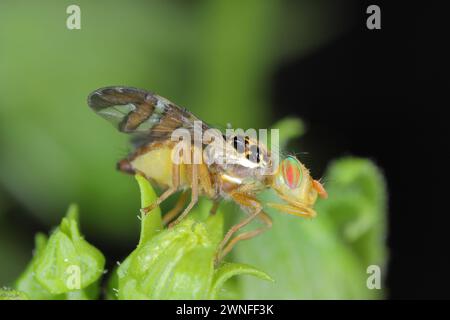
x: 214, y: 57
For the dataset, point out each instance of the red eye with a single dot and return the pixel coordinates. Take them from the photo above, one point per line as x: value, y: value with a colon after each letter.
x: 292, y: 172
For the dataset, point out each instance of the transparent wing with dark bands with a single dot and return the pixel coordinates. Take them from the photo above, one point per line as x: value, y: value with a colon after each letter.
x: 139, y: 112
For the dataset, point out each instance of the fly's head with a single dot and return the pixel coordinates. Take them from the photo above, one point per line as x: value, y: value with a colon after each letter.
x: 293, y: 184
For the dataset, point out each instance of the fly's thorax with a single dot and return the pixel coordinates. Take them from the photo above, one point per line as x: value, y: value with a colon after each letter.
x: 229, y: 182
x: 240, y: 163
x: 240, y: 156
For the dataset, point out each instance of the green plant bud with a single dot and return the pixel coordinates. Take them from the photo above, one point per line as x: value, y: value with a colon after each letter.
x: 176, y: 263
x: 11, y: 294
x: 64, y: 266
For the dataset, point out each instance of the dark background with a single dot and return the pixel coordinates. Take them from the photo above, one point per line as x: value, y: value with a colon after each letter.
x: 382, y: 94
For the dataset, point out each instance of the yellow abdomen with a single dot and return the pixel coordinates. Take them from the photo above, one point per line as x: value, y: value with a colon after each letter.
x: 156, y: 164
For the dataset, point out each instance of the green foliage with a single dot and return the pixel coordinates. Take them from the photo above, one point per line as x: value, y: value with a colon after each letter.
x: 217, y: 58
x: 64, y: 266
x: 289, y: 128
x: 176, y: 263
x: 11, y: 294
x: 357, y: 207
x: 327, y: 257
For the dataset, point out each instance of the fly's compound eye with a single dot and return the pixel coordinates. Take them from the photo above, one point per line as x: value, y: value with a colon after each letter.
x: 292, y: 172
x: 239, y: 144
x: 254, y: 154
x: 243, y: 145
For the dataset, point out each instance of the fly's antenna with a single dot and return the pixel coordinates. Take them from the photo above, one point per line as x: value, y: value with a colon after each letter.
x: 324, y: 180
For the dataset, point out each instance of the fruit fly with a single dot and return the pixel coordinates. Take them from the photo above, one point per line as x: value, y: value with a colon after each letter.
x: 152, y: 120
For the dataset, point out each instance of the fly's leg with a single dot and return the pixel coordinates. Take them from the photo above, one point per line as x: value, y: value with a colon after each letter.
x: 194, y: 196
x: 200, y: 180
x: 168, y: 192
x: 169, y: 216
x: 214, y: 207
x: 205, y: 181
x: 245, y: 235
x: 207, y: 187
x: 298, y: 210
x: 249, y: 202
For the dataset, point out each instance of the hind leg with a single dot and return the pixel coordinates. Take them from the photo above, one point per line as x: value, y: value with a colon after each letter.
x: 200, y: 182
x: 194, y: 196
x: 169, y: 216
x: 168, y: 192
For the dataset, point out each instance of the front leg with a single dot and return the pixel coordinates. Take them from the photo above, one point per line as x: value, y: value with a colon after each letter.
x: 264, y: 217
x: 249, y: 203
x: 214, y: 207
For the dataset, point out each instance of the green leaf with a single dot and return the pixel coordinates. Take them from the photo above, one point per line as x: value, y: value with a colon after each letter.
x: 161, y: 268
x: 91, y: 292
x: 176, y: 263
x: 112, y: 285
x: 289, y: 128
x: 63, y: 267
x: 68, y: 261
x: 27, y: 282
x: 228, y: 270
x: 151, y: 223
x: 320, y: 258
x: 11, y: 294
x: 357, y: 207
